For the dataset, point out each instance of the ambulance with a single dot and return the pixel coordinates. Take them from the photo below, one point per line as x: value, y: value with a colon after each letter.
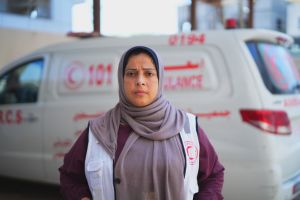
x: 242, y: 84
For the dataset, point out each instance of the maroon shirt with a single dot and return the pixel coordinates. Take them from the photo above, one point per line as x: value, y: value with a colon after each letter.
x: 74, y: 184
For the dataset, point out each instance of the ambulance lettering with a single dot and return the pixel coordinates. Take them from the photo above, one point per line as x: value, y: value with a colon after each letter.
x: 188, y: 65
x: 59, y: 155
x: 78, y: 75
x: 191, y: 80
x: 182, y: 82
x: 186, y: 39
x: 291, y: 102
x: 100, y: 74
x: 62, y: 143
x: 11, y: 117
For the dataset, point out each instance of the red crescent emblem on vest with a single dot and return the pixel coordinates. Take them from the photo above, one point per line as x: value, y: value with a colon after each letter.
x: 192, y: 152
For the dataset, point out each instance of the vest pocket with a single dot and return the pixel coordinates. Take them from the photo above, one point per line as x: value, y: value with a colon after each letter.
x: 94, y: 171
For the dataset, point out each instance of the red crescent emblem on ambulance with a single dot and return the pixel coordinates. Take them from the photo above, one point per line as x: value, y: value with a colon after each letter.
x: 74, y: 75
x: 192, y: 152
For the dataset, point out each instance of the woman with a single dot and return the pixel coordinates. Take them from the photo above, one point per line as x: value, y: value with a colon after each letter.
x: 144, y: 147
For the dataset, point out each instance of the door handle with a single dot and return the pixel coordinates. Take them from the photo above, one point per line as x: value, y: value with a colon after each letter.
x: 30, y: 118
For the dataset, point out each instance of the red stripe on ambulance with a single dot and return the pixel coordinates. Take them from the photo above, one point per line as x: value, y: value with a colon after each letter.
x: 213, y: 114
x: 82, y: 116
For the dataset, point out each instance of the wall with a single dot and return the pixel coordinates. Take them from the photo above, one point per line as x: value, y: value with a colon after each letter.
x: 293, y: 19
x: 270, y: 14
x: 15, y: 43
x: 60, y: 20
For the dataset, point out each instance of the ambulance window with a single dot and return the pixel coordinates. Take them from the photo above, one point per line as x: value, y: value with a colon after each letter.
x: 21, y: 84
x: 276, y: 67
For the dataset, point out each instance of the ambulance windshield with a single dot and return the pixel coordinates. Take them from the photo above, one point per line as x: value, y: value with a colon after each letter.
x: 276, y: 66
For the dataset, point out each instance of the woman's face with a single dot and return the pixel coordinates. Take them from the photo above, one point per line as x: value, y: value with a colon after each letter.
x: 140, y: 80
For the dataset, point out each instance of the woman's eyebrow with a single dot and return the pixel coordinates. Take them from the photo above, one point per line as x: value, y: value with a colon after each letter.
x: 149, y: 68
x: 144, y: 68
x: 127, y: 69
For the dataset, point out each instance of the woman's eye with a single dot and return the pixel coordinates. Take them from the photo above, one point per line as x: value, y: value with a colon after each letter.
x: 150, y: 74
x: 130, y: 74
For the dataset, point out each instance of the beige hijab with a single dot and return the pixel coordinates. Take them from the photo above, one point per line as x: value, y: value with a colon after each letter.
x: 151, y: 163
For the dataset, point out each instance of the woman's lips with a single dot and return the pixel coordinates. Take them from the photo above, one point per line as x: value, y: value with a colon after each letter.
x: 140, y: 93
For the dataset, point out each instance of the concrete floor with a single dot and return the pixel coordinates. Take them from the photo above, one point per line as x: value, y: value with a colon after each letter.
x: 23, y: 190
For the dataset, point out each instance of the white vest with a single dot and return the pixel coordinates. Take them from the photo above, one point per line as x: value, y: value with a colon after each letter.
x: 99, y: 165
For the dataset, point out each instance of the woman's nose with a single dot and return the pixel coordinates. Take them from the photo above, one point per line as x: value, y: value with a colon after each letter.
x: 140, y: 80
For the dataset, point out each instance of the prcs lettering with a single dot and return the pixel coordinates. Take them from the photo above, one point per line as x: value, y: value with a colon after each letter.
x: 11, y: 117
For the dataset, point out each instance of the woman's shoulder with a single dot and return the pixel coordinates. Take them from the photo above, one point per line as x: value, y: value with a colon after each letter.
x: 98, y: 120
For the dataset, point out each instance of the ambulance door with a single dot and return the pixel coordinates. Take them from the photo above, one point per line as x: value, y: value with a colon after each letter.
x: 21, y: 119
x: 82, y: 85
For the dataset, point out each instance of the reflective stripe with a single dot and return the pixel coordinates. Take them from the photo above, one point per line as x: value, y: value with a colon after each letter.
x: 192, y: 151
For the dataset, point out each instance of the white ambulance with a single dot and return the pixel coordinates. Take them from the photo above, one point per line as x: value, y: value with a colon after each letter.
x: 242, y: 84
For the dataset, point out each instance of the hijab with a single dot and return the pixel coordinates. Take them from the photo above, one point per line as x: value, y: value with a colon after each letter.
x: 152, y: 141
